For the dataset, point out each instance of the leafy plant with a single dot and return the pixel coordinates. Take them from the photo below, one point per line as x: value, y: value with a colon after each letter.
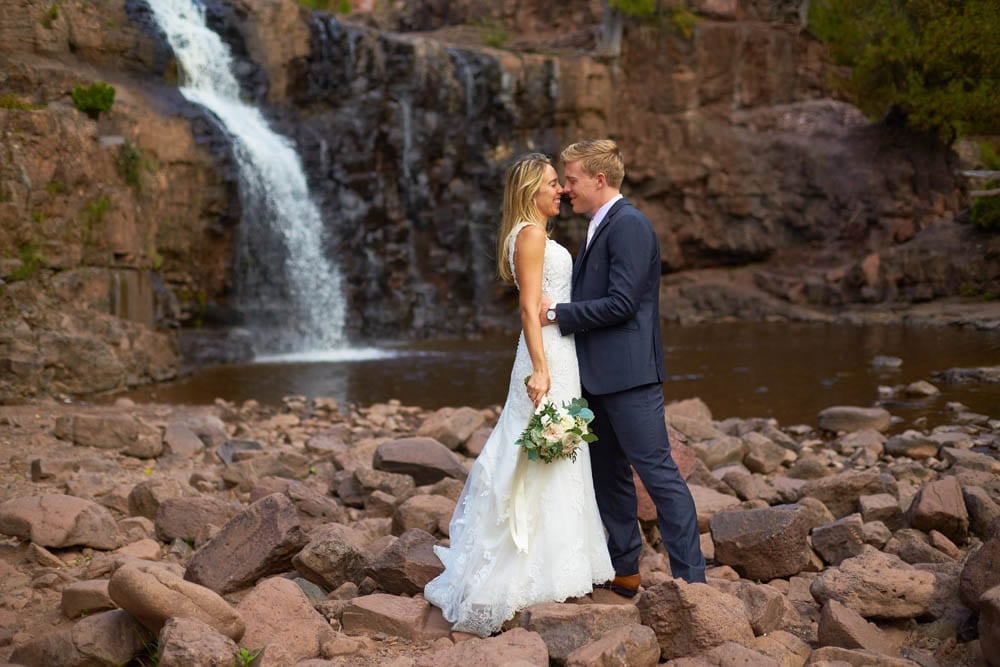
x: 931, y: 63
x: 342, y: 6
x: 9, y: 101
x: 55, y: 187
x: 31, y: 261
x: 95, y: 99
x: 643, y: 9
x: 93, y: 215
x: 150, y: 656
x: 986, y: 213
x: 683, y: 21
x: 494, y: 35
x: 50, y: 16
x: 988, y: 154
x: 133, y: 166
x: 245, y: 657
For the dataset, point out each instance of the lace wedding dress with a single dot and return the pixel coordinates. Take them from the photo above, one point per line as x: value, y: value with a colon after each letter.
x: 524, y: 532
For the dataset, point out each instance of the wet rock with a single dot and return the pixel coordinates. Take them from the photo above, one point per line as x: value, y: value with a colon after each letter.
x: 515, y: 647
x: 876, y: 584
x: 692, y: 618
x: 764, y: 543
x: 940, y: 506
x: 85, y: 597
x: 188, y: 641
x: 852, y: 418
x: 405, y: 567
x: 844, y: 538
x: 912, y: 444
x: 840, y: 492
x: 152, y: 595
x: 186, y: 517
x: 280, y: 620
x: 451, y: 427
x: 335, y: 554
x: 424, y: 459
x: 567, y: 627
x: 633, y: 645
x: 921, y: 388
x: 57, y: 520
x: 263, y: 538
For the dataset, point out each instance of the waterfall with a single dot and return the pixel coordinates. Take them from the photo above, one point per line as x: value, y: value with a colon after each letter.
x: 288, y: 289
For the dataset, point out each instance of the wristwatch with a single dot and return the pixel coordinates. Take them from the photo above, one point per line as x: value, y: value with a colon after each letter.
x: 550, y: 314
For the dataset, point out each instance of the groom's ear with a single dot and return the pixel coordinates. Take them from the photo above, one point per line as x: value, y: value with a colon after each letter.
x: 602, y: 179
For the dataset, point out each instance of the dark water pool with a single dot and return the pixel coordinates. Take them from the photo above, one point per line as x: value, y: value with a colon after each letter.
x: 786, y: 371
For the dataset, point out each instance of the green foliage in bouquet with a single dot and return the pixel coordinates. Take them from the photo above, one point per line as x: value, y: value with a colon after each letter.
x: 557, y: 432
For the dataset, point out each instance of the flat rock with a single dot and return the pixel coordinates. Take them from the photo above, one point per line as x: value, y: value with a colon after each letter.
x: 852, y: 418
x: 266, y: 535
x: 107, y: 638
x: 424, y: 459
x: 186, y: 517
x: 878, y: 585
x: 840, y: 492
x: 517, y: 647
x: 846, y: 628
x: 567, y: 627
x: 57, y: 520
x: 85, y: 597
x: 281, y: 620
x: 452, y: 427
x: 628, y: 646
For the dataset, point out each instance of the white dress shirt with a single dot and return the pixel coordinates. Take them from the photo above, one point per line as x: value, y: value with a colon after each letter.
x: 599, y: 217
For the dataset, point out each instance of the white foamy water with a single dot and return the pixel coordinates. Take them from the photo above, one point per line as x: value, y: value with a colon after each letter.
x: 305, y: 315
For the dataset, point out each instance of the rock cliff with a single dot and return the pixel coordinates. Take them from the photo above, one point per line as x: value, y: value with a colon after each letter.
x: 117, y: 234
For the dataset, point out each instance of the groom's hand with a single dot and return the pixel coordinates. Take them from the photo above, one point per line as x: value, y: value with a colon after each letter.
x: 543, y: 308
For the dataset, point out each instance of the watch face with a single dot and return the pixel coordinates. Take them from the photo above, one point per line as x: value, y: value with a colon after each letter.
x: 551, y: 314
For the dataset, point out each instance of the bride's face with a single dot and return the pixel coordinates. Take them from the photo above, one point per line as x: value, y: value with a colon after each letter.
x: 549, y: 194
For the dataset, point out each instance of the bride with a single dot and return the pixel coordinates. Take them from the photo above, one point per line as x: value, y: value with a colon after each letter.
x: 525, y: 532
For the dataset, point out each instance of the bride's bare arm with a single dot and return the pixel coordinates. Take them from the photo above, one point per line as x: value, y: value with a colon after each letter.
x: 529, y: 256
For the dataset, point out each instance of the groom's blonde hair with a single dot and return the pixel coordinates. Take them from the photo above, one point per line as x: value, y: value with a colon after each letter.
x: 524, y: 180
x: 599, y: 156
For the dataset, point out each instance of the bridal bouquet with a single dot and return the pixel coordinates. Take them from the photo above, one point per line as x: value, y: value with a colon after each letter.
x: 557, y: 432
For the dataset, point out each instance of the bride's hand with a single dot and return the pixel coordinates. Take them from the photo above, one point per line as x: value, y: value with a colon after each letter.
x: 538, y: 386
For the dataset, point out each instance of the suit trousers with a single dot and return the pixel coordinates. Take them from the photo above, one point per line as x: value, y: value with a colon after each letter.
x: 632, y: 434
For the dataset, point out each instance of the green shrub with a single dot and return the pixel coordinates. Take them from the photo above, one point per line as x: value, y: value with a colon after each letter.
x: 17, y: 104
x: 988, y: 154
x: 683, y: 21
x: 95, y: 99
x: 342, y: 6
x: 55, y: 187
x: 93, y: 216
x: 133, y: 166
x: 986, y: 213
x: 31, y: 261
x: 931, y: 63
x: 50, y: 16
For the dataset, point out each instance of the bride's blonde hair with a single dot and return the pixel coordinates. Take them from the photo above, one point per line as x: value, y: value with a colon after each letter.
x: 524, y: 180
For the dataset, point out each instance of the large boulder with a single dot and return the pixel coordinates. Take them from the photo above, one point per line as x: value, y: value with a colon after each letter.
x: 424, y: 459
x: 567, y: 627
x: 877, y: 585
x: 281, y: 620
x: 764, y: 543
x: 452, y: 427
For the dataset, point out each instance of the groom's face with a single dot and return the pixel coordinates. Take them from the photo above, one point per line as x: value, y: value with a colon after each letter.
x: 582, y: 189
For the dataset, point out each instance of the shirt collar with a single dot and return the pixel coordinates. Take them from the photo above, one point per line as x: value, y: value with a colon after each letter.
x: 603, y: 211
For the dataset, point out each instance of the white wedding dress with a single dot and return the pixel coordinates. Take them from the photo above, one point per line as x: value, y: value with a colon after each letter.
x: 524, y: 532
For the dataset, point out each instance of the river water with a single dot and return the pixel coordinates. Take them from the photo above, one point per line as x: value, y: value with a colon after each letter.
x: 786, y: 371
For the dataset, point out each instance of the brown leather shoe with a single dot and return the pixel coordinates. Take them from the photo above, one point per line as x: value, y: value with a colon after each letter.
x: 623, y: 585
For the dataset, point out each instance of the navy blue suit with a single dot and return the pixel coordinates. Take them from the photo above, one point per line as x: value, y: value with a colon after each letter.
x: 615, y: 315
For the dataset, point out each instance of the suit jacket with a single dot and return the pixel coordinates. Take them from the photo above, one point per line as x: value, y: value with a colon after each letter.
x: 615, y: 311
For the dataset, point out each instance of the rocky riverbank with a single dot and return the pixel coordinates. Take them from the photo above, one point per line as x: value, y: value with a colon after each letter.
x: 156, y: 534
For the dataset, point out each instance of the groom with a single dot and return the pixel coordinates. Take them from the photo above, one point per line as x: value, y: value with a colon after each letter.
x: 615, y: 316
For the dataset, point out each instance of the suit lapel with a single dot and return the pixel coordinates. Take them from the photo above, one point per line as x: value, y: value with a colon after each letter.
x: 581, y: 257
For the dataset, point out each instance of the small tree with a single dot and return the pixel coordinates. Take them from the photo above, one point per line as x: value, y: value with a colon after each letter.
x: 935, y: 64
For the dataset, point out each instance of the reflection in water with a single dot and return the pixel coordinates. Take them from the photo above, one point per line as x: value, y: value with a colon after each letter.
x: 786, y: 371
